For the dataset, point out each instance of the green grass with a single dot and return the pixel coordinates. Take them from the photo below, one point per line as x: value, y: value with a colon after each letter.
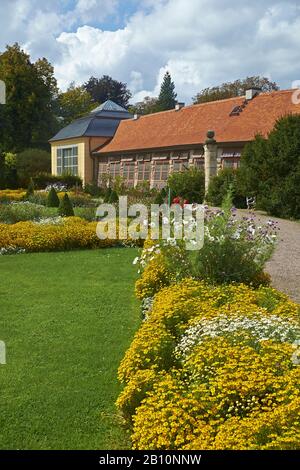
x: 67, y: 320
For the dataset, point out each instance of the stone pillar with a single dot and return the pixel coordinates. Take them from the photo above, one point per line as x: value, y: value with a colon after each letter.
x: 210, y: 158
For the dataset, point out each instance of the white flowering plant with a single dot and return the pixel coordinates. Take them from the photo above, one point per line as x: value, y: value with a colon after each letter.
x: 235, y: 249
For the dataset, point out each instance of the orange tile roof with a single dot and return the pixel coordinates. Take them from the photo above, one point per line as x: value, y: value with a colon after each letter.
x: 189, y: 125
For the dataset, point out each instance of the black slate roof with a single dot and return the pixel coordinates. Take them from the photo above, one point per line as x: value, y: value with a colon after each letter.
x: 101, y: 122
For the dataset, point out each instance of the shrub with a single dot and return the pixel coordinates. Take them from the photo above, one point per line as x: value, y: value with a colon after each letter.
x: 32, y: 161
x: 30, y: 189
x: 65, y: 207
x: 159, y: 199
x: 107, y: 194
x: 234, y: 250
x: 188, y: 184
x: 55, y: 234
x: 227, y: 179
x: 52, y: 199
x: 213, y: 368
x: 271, y: 167
x: 22, y: 211
x: 113, y: 197
x: 42, y: 180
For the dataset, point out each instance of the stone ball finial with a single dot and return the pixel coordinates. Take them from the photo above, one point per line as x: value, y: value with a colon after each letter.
x: 210, y: 137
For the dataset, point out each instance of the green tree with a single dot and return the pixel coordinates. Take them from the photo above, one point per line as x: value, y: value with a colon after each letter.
x: 227, y: 179
x: 74, y: 103
x: 27, y: 118
x: 65, y: 207
x: 147, y: 106
x: 232, y: 89
x: 167, y: 95
x: 106, y: 88
x: 52, y: 199
x: 31, y: 162
x: 188, y: 184
x: 270, y: 168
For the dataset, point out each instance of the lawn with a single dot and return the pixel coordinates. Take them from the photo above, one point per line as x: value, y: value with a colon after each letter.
x: 66, y: 319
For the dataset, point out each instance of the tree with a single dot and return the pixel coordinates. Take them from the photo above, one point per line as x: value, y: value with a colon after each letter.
x: 147, y: 106
x: 106, y: 88
x: 270, y: 168
x: 188, y: 184
x: 232, y: 89
x: 65, y: 207
x: 74, y: 103
x: 167, y: 95
x: 27, y: 118
x: 52, y: 199
x: 31, y: 162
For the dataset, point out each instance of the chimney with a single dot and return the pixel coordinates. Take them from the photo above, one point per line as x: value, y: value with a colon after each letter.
x: 252, y: 92
x: 179, y: 105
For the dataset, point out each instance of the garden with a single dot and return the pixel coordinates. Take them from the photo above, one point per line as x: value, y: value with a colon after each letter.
x: 214, y: 356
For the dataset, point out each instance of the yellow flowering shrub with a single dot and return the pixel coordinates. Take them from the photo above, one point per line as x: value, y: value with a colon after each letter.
x: 71, y: 233
x: 154, y: 277
x: 212, y: 368
x: 9, y: 195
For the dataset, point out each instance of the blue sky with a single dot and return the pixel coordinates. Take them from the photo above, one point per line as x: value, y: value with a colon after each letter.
x: 201, y: 42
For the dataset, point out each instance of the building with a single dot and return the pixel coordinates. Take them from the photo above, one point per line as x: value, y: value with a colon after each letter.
x: 72, y: 147
x: 149, y: 147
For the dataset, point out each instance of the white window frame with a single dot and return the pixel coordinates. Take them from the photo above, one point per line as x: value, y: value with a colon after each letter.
x: 61, y: 166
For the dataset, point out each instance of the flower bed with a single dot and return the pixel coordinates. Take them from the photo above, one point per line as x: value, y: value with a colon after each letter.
x: 53, y: 235
x: 9, y: 195
x: 214, y: 368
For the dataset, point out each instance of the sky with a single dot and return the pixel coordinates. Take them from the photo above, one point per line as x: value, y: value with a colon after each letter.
x: 201, y: 43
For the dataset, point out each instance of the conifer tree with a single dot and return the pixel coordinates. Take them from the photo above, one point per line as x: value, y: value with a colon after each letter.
x: 65, y: 207
x: 167, y: 96
x: 52, y: 199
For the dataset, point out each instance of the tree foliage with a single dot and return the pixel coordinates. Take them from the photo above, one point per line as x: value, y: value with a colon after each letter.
x: 147, y: 106
x: 167, y: 96
x: 232, y: 89
x: 188, y: 184
x: 27, y: 119
x: 270, y: 168
x: 31, y: 162
x: 106, y: 88
x: 74, y: 103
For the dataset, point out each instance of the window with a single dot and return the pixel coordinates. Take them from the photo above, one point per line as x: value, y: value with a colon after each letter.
x: 228, y: 163
x: 128, y: 171
x: 161, y: 171
x: 144, y: 171
x: 67, y: 160
x: 114, y: 169
x: 102, y: 172
x: 199, y: 163
x: 180, y: 165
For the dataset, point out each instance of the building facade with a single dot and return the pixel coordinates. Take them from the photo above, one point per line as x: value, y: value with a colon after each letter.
x: 149, y: 148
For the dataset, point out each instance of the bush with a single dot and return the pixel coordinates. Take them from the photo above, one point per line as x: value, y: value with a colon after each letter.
x: 42, y: 180
x: 227, y: 179
x: 52, y: 199
x: 55, y: 234
x: 65, y: 207
x: 113, y: 197
x: 188, y: 184
x: 32, y: 161
x: 234, y: 250
x: 30, y: 189
x: 213, y: 368
x: 270, y: 169
x: 22, y: 211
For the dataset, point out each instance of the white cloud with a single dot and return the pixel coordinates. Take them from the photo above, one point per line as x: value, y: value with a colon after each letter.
x: 201, y: 42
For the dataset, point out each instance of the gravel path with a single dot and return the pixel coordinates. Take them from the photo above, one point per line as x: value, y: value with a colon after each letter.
x: 284, y: 266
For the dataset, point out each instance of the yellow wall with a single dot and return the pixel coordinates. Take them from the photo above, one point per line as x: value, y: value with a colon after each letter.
x: 85, y: 161
x: 83, y: 153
